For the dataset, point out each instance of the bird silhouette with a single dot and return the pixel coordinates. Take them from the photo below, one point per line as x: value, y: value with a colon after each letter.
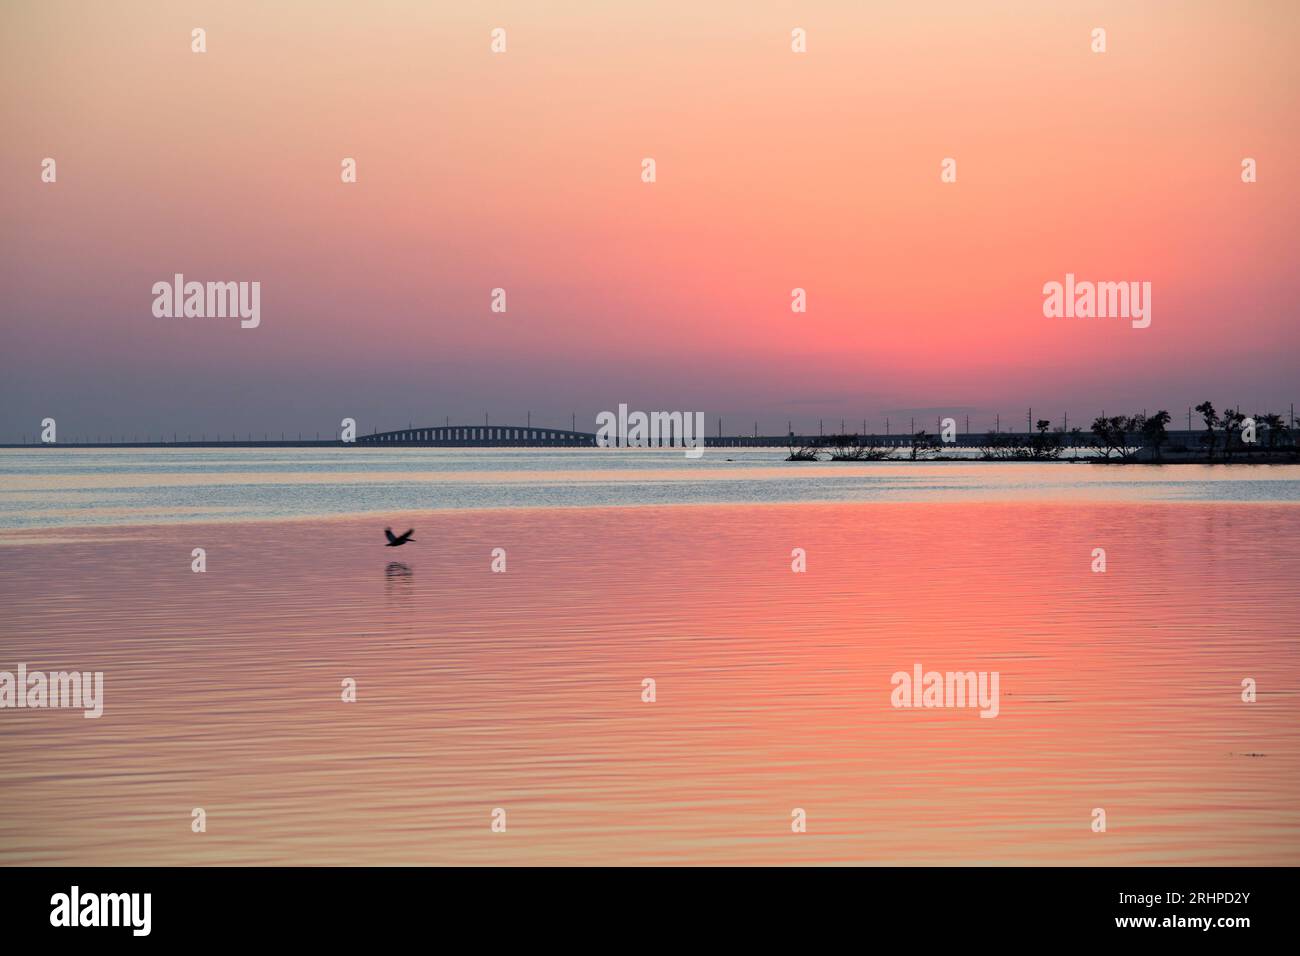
x: 397, y: 540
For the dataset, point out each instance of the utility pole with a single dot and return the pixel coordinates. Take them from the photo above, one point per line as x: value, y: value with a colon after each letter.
x: 997, y: 423
x: 820, y: 431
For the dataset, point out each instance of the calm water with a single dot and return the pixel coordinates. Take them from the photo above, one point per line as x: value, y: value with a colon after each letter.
x: 66, y: 488
x: 522, y: 690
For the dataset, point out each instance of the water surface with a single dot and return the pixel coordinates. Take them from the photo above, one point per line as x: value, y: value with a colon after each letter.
x: 522, y: 690
x: 70, y: 487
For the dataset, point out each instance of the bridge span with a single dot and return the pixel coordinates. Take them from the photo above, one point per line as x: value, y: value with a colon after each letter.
x: 477, y: 436
x: 527, y: 436
x: 511, y: 436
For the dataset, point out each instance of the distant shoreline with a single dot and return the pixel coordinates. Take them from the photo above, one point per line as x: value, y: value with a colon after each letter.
x: 1289, y: 457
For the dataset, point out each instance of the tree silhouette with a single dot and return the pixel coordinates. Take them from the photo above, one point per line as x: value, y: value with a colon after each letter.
x: 1045, y: 444
x: 1231, y: 424
x: 1154, y: 433
x: 925, y: 446
x: 1276, y: 426
x: 1211, y: 419
x: 1111, y: 434
x: 855, y: 448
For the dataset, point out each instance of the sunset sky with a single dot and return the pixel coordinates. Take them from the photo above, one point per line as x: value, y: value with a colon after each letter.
x: 522, y: 170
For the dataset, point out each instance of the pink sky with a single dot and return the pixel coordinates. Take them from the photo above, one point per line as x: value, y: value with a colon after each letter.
x: 522, y: 170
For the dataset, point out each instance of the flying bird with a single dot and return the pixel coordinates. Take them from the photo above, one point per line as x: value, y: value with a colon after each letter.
x: 397, y: 540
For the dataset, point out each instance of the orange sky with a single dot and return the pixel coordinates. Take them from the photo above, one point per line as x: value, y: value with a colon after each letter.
x: 521, y: 170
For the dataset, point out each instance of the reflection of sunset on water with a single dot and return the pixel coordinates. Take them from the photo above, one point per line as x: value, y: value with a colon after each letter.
x: 523, y: 690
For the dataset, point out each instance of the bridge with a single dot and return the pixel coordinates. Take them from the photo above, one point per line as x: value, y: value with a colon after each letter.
x: 477, y: 436
x: 528, y: 436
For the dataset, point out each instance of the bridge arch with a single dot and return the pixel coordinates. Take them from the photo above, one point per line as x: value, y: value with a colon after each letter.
x: 478, y: 436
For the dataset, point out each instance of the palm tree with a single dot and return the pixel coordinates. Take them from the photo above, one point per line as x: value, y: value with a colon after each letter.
x: 1153, y: 431
x: 1231, y: 424
x: 1275, y: 425
x: 1211, y: 418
